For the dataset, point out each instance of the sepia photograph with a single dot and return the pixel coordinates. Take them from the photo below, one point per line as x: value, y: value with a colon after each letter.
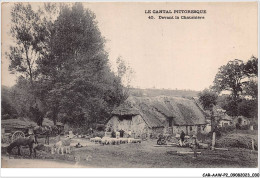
x: 129, y: 85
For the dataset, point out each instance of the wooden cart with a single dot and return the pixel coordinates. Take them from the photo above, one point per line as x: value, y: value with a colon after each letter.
x: 13, y: 129
x: 11, y: 134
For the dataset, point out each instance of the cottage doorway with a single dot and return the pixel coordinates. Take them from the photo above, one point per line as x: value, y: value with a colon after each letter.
x: 198, y: 129
x: 170, y: 130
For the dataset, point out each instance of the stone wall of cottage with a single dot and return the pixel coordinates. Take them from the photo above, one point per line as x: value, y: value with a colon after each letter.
x: 136, y: 125
x: 140, y: 129
x: 188, y: 130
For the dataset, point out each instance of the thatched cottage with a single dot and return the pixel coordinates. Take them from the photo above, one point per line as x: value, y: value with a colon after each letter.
x: 241, y: 120
x: 154, y: 115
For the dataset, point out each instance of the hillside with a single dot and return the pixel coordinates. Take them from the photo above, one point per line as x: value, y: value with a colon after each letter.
x: 165, y: 92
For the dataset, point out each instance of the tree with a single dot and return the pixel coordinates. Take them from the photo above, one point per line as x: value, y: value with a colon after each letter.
x: 251, y: 89
x: 251, y: 85
x: 75, y: 77
x: 251, y: 67
x: 21, y: 96
x: 60, y: 57
x: 25, y: 32
x: 8, y: 110
x: 125, y: 75
x: 241, y: 80
x: 227, y: 103
x: 28, y: 35
x: 248, y: 108
x: 230, y: 78
x: 208, y: 99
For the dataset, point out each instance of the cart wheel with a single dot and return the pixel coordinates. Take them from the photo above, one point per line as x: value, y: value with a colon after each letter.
x: 17, y: 135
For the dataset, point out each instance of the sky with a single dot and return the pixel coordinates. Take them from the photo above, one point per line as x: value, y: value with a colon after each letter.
x: 169, y: 54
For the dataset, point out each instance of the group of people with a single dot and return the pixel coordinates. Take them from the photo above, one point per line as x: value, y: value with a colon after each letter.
x: 38, y: 130
x: 121, y: 133
x: 182, y: 139
x: 194, y: 143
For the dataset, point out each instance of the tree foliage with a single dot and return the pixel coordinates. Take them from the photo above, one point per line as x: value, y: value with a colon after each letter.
x: 251, y: 67
x: 8, y: 110
x: 247, y: 108
x: 251, y: 89
x: 229, y: 77
x: 76, y: 80
x: 69, y: 68
x: 241, y: 80
x: 25, y: 31
x: 208, y: 99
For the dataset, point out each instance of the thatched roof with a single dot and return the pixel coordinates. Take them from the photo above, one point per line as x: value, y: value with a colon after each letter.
x: 217, y: 111
x: 126, y: 109
x: 156, y: 110
x: 23, y: 123
x: 20, y: 123
x: 226, y: 117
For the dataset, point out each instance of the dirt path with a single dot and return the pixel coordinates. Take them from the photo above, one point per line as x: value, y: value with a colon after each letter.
x: 36, y: 163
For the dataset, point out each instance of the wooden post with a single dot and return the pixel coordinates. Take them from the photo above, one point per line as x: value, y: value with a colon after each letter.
x: 52, y: 150
x: 251, y: 127
x: 253, y: 144
x: 194, y: 143
x: 213, y: 140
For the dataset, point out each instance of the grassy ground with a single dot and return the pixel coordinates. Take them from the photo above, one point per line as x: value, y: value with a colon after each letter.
x: 239, y: 139
x: 145, y: 155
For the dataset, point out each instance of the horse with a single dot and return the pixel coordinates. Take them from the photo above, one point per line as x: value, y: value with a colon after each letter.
x: 47, y: 131
x: 30, y: 141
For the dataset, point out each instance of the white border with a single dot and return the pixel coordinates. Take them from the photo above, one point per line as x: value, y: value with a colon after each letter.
x: 119, y: 172
x: 126, y: 172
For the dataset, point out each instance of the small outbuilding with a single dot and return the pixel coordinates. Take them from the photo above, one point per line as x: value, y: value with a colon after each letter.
x: 241, y: 120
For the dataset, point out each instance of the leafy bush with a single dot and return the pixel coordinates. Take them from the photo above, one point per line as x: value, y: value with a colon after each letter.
x: 238, y: 141
x: 254, y: 123
x: 204, y: 136
x: 244, y: 127
x: 227, y: 129
x: 83, y: 131
x: 101, y: 127
x: 221, y: 130
x: 98, y: 134
x: 6, y: 116
x: 218, y: 132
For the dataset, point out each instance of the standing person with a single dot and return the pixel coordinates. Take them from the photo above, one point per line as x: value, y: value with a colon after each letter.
x: 35, y: 132
x: 194, y: 145
x: 121, y: 133
x: 30, y: 130
x: 117, y: 134
x: 47, y: 135
x: 91, y: 130
x: 129, y: 133
x: 182, y: 137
